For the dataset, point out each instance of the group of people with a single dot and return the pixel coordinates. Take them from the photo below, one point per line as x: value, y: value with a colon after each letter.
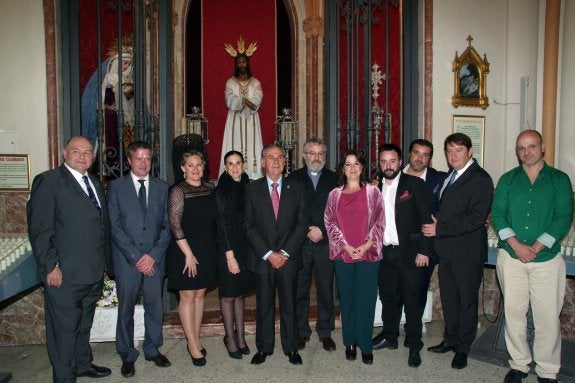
x: 278, y: 233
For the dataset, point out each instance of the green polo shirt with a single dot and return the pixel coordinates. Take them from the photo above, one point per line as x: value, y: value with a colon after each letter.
x: 542, y: 211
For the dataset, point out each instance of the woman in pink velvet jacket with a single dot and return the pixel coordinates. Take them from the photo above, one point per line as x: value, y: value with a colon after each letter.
x: 355, y: 222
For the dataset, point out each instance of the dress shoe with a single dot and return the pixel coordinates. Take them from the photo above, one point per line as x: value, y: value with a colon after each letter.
x: 128, y: 370
x: 441, y: 348
x: 160, y: 360
x: 414, y: 359
x: 95, y: 372
x: 294, y: 357
x: 546, y: 380
x: 259, y: 357
x: 233, y: 354
x: 351, y: 352
x: 367, y: 358
x: 328, y: 343
x: 459, y: 361
x: 405, y: 343
x: 385, y: 344
x: 301, y: 342
x: 245, y: 350
x: 514, y: 376
x: 378, y: 338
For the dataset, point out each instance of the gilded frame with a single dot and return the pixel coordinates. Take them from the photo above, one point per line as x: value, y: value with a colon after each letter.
x: 469, y: 78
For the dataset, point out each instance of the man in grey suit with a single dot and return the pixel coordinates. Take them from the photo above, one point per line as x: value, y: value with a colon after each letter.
x: 69, y: 230
x: 140, y: 236
x: 276, y: 227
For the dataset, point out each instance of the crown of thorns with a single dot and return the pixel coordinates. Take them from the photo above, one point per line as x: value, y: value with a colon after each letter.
x: 241, y: 49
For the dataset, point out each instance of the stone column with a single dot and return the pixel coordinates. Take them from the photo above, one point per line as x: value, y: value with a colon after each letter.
x: 313, y: 28
x: 551, y: 51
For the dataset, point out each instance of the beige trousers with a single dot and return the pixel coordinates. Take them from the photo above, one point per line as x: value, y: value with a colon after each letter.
x: 543, y: 286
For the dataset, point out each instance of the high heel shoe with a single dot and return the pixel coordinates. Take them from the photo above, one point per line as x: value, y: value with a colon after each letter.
x: 197, y: 361
x: 204, y: 352
x: 235, y: 354
x: 244, y: 350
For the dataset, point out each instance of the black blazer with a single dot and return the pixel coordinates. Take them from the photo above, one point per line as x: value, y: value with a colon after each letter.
x: 412, y: 209
x: 434, y: 182
x: 460, y: 231
x: 315, y: 198
x: 64, y: 226
x: 264, y: 233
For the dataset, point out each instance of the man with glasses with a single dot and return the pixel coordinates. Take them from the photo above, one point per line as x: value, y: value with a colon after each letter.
x: 317, y: 181
x: 276, y: 227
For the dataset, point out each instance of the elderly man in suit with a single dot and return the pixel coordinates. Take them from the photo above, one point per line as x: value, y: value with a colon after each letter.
x: 317, y: 181
x: 276, y: 227
x: 140, y: 236
x: 461, y: 243
x: 69, y: 230
x: 407, y: 207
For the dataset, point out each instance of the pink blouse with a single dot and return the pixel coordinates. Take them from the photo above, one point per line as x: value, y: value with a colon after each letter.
x: 372, y: 211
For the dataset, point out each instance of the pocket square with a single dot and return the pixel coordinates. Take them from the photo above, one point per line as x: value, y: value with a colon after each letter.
x: 404, y: 196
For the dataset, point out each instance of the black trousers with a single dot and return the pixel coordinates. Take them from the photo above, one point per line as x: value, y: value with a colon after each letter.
x: 316, y: 257
x: 69, y: 314
x: 459, y: 285
x: 284, y: 281
x: 396, y: 280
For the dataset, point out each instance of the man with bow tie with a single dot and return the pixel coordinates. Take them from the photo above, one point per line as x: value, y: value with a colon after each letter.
x: 405, y: 249
x: 317, y: 181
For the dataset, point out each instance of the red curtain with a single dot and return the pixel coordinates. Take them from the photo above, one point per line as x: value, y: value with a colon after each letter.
x: 223, y: 21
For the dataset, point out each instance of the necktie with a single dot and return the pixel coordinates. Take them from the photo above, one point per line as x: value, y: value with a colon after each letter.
x: 275, y: 199
x: 142, y: 195
x: 91, y: 193
x: 452, y: 179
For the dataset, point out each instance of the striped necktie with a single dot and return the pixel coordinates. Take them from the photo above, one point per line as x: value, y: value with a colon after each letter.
x: 91, y: 193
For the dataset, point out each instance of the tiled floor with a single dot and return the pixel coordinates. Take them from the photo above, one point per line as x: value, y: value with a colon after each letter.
x: 31, y: 364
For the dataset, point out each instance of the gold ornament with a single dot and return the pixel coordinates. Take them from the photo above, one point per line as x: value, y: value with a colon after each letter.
x: 241, y: 48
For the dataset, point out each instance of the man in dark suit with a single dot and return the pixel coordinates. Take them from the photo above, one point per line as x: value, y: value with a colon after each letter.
x: 420, y: 155
x: 140, y: 236
x: 68, y: 227
x: 405, y: 249
x: 317, y: 181
x: 461, y: 243
x: 276, y: 227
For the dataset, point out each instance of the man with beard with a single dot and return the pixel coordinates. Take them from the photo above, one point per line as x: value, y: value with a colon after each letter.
x: 243, y: 96
x: 420, y: 155
x: 317, y: 181
x: 405, y: 249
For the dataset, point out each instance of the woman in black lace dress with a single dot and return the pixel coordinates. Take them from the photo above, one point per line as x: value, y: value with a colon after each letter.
x: 191, y: 258
x: 233, y: 278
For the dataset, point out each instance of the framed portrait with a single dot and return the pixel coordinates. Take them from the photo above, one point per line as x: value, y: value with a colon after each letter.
x: 14, y: 172
x: 469, y: 78
x: 474, y: 127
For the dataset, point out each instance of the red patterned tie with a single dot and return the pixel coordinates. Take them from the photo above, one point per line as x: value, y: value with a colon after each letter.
x: 275, y: 199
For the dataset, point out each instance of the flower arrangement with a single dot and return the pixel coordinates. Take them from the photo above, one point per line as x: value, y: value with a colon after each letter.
x: 109, y: 295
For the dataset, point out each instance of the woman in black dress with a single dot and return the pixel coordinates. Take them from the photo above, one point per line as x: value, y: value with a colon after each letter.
x: 191, y: 262
x: 233, y: 278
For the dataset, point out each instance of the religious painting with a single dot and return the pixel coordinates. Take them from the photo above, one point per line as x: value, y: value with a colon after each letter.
x: 469, y: 78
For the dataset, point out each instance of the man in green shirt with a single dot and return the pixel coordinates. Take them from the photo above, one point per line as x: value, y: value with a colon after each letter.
x: 532, y: 210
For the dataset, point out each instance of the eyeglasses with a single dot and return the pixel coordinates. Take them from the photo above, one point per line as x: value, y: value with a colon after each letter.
x: 315, y: 154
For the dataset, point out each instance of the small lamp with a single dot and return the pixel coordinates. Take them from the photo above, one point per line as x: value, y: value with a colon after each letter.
x: 286, y: 134
x: 196, y: 123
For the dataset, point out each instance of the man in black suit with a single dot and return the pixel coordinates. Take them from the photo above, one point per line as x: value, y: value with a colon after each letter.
x: 69, y: 230
x: 276, y: 227
x: 461, y: 243
x: 405, y: 249
x: 317, y: 181
x: 140, y: 236
x: 420, y: 155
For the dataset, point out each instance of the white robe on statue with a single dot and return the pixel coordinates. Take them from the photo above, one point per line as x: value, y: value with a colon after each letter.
x: 243, y: 130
